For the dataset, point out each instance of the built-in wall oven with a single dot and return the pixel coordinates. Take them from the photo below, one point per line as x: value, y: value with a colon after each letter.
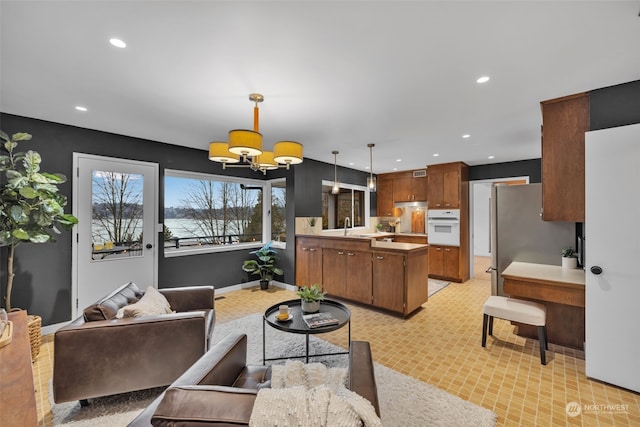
x: 443, y: 226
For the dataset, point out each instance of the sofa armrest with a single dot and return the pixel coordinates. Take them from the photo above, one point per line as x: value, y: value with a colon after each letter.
x: 189, y: 298
x: 104, y: 357
x: 362, y: 379
x: 219, y: 366
x: 215, y: 405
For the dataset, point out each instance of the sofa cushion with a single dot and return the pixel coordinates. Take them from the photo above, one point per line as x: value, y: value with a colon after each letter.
x: 108, y: 307
x: 152, y: 303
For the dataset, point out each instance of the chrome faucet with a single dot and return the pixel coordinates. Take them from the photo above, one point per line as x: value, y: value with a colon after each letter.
x: 347, y: 221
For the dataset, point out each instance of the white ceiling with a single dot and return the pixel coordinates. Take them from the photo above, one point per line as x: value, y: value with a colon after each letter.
x: 335, y: 75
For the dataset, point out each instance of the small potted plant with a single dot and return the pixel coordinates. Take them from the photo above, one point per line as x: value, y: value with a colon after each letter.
x: 265, y: 266
x: 569, y: 259
x: 311, y: 297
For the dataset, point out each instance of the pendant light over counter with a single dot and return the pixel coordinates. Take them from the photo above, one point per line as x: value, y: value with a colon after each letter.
x: 336, y: 185
x: 371, y: 181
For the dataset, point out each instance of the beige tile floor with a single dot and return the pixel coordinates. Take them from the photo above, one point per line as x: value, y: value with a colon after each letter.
x: 440, y: 345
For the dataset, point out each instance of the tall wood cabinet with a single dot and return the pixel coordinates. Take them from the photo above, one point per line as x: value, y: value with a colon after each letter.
x: 449, y: 189
x: 384, y: 194
x: 564, y: 122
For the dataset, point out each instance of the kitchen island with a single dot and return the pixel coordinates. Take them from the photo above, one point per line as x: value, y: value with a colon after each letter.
x: 560, y: 290
x: 388, y: 275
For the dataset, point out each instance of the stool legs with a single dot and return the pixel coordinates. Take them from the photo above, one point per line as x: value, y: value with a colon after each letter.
x: 487, y: 326
x: 542, y: 339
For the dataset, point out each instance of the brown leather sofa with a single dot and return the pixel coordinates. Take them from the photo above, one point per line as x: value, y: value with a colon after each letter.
x: 98, y: 354
x: 220, y: 389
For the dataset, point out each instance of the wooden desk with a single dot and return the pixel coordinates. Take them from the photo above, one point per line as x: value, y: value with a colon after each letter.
x: 17, y: 392
x: 560, y: 290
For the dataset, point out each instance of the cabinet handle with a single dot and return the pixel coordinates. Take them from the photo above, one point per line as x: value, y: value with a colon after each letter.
x: 379, y: 257
x: 351, y: 254
x: 312, y: 250
x: 305, y: 249
x: 340, y: 253
x: 438, y: 249
x: 447, y: 204
x: 448, y: 250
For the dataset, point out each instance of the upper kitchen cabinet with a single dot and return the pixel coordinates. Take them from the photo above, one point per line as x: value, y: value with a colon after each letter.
x: 406, y: 186
x: 564, y: 122
x: 410, y: 186
x: 445, y: 184
x: 384, y: 192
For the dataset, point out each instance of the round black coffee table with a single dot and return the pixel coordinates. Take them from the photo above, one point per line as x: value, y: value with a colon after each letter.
x: 296, y: 325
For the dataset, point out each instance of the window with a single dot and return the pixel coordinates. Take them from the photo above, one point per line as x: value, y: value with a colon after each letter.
x: 351, y: 202
x: 208, y: 213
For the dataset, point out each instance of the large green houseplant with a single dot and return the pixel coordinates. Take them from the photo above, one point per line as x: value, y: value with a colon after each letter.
x: 264, y: 266
x: 31, y: 208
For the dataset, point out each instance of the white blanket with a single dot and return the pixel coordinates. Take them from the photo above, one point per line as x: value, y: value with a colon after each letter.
x: 306, y: 395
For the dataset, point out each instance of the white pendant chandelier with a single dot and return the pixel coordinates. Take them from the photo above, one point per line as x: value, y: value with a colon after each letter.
x: 246, y: 146
x: 336, y: 185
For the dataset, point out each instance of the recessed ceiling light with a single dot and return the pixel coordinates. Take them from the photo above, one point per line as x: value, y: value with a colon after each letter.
x: 118, y: 43
x: 483, y: 79
x: 351, y: 163
x: 81, y: 108
x: 491, y: 157
x: 398, y: 160
x: 466, y: 135
x: 395, y: 169
x: 436, y: 155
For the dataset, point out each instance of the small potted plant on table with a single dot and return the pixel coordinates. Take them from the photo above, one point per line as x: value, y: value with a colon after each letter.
x: 569, y: 259
x: 265, y: 266
x: 311, y: 297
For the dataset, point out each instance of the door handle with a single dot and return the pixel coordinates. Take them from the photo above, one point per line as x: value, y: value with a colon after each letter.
x: 149, y: 246
x: 596, y: 270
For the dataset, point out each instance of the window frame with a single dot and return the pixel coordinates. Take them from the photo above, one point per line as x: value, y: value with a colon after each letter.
x: 266, y: 212
x: 367, y: 205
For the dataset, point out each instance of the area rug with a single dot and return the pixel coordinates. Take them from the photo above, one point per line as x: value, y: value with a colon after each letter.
x: 437, y: 285
x: 404, y: 401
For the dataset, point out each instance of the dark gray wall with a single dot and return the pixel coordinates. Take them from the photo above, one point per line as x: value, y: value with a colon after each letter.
x: 531, y: 168
x: 614, y: 106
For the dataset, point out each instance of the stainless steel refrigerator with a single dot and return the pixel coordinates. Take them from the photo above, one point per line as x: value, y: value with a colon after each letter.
x: 518, y: 232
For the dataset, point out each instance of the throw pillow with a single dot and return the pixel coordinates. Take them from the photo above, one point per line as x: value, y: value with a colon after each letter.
x: 152, y: 303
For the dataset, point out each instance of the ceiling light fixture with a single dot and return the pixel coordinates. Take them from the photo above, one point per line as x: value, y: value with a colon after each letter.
x: 371, y: 181
x: 81, y: 108
x: 466, y: 135
x: 483, y: 79
x: 336, y: 185
x: 246, y: 146
x: 118, y: 43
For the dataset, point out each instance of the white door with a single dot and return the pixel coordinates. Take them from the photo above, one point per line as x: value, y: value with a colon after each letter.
x: 612, y: 245
x: 115, y: 201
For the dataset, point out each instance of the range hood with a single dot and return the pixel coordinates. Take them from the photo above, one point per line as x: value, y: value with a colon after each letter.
x: 411, y: 205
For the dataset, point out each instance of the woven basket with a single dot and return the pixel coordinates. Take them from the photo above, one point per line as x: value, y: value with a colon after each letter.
x: 35, y: 334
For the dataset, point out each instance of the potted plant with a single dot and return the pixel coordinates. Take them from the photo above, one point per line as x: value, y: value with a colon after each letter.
x: 311, y: 297
x: 265, y: 266
x: 31, y: 208
x: 569, y: 259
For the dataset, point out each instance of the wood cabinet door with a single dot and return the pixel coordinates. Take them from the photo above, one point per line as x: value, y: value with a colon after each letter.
x: 315, y: 266
x: 402, y: 189
x: 420, y: 189
x: 564, y: 122
x: 302, y: 263
x: 388, y: 281
x: 435, y: 184
x: 436, y: 260
x: 384, y: 193
x: 334, y: 272
x: 358, y: 276
x: 451, y: 262
x: 451, y: 190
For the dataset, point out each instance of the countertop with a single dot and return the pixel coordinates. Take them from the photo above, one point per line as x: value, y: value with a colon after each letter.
x: 545, y: 273
x: 371, y: 237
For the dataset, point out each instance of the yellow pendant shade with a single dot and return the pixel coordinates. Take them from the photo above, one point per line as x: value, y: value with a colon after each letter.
x: 245, y: 142
x: 219, y: 152
x: 289, y: 152
x: 265, y: 161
